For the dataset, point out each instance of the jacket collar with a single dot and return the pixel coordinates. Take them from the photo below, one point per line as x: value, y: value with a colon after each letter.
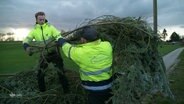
x: 91, y: 43
x: 38, y: 25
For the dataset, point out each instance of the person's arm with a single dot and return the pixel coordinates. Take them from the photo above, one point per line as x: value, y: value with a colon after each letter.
x: 26, y: 42
x: 64, y: 45
x: 28, y: 39
x: 55, y: 33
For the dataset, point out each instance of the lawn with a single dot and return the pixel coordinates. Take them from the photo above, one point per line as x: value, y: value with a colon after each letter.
x: 176, y: 78
x: 165, y: 48
x: 14, y: 59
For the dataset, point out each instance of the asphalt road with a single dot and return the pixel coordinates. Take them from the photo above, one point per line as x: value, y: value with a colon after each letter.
x: 171, y: 58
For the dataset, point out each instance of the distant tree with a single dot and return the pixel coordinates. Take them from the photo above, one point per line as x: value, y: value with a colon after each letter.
x: 10, y: 36
x: 164, y: 34
x: 182, y: 39
x: 10, y: 33
x: 174, y: 37
x: 10, y: 39
x: 2, y: 36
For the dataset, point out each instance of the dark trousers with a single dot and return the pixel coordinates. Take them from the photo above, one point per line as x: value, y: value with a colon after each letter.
x: 56, y: 59
x: 99, y: 97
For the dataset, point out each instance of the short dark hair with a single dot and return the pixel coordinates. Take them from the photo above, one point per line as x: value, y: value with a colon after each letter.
x: 39, y: 13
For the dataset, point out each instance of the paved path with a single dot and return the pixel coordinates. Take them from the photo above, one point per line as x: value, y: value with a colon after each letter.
x: 171, y: 58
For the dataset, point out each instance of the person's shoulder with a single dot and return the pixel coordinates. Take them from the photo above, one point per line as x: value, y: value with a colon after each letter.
x: 106, y: 42
x: 49, y: 24
x: 33, y: 28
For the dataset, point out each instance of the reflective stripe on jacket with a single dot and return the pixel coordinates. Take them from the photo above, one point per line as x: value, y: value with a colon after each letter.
x: 94, y: 59
x: 42, y: 32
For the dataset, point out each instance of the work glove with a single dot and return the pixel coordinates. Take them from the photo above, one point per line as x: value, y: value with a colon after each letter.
x: 61, y: 42
x: 29, y: 51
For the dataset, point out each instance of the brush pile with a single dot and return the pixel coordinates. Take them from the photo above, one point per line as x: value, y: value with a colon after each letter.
x: 23, y: 89
x: 138, y: 67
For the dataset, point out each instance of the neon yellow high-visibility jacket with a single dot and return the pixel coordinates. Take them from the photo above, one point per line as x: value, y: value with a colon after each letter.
x: 94, y: 59
x: 42, y: 32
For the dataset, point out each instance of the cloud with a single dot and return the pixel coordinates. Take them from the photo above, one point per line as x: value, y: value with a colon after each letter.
x: 67, y: 14
x: 182, y: 26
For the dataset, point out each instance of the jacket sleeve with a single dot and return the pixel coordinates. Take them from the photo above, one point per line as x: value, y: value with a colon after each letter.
x: 72, y: 52
x: 28, y: 39
x: 66, y: 48
x: 55, y: 33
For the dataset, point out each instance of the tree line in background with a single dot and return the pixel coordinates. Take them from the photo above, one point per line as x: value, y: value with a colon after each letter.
x: 7, y: 37
x: 175, y: 37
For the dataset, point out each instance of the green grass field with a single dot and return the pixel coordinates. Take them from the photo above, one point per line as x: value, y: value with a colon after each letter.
x: 166, y: 48
x: 177, y: 78
x: 14, y: 59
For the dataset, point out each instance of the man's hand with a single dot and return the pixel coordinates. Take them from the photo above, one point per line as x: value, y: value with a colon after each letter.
x: 61, y: 41
x: 29, y: 51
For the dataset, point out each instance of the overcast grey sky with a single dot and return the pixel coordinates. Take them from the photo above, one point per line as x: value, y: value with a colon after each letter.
x: 66, y: 14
